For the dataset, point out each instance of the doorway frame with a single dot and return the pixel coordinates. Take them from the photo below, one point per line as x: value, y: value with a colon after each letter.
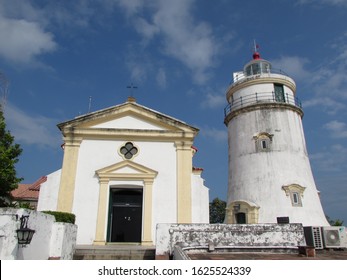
x: 114, y: 175
x: 250, y: 209
x: 279, y: 93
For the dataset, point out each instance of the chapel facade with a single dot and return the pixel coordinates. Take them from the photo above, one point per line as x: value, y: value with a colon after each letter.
x: 125, y: 169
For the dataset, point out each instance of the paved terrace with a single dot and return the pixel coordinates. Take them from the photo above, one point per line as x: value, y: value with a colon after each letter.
x: 320, y: 255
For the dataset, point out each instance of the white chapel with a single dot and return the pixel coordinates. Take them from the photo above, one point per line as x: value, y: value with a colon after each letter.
x: 126, y: 169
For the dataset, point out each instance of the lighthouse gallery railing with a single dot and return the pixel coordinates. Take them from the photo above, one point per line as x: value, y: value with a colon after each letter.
x: 261, y: 97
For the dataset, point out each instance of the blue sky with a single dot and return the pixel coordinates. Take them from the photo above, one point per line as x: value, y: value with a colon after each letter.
x: 181, y: 55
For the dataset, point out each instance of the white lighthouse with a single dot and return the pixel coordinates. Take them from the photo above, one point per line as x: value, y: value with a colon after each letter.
x: 270, y: 177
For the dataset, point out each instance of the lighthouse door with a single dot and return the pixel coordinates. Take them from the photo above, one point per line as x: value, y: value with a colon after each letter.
x: 240, y: 218
x: 279, y: 93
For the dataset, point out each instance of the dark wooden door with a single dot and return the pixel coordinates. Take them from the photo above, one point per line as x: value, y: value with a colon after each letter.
x: 126, y: 216
x: 240, y: 218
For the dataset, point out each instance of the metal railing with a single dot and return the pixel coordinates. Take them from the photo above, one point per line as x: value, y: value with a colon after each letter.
x: 261, y: 97
x: 241, y: 76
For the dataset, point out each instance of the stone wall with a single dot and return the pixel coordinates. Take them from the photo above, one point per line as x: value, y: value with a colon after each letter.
x: 271, y: 236
x: 51, y: 240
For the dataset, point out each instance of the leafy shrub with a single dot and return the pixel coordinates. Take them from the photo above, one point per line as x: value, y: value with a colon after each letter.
x: 62, y: 217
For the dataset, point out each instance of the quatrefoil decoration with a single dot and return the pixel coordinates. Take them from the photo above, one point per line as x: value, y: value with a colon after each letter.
x: 128, y: 150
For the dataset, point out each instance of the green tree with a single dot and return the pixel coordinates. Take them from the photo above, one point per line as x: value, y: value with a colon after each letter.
x: 9, y: 153
x: 217, y: 211
x: 336, y: 222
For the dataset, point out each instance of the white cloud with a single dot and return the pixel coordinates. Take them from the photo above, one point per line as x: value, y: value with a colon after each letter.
x: 337, y: 129
x: 32, y: 130
x: 138, y: 65
x: 181, y: 36
x: 161, y: 78
x: 23, y: 37
x: 219, y: 135
x: 322, y: 2
x: 24, y: 40
x: 294, y: 66
x: 191, y: 42
x: 18, y: 9
x: 325, y: 84
x: 131, y: 7
x: 213, y: 101
x: 333, y: 159
x: 146, y: 29
x: 328, y: 104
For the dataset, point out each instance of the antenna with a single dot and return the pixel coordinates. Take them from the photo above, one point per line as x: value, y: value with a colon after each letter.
x: 3, y: 90
x: 256, y: 47
x: 256, y: 54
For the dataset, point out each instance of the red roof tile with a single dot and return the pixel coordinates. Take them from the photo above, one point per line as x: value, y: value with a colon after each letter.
x: 29, y: 191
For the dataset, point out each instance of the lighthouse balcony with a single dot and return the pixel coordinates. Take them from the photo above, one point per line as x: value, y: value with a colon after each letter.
x: 244, y: 76
x: 259, y: 98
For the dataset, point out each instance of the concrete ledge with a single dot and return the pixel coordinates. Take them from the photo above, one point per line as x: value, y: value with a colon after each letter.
x: 243, y: 237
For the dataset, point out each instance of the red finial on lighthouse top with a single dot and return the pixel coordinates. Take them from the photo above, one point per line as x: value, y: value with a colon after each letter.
x: 256, y: 54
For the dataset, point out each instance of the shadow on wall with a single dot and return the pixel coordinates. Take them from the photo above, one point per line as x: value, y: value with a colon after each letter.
x: 51, y: 240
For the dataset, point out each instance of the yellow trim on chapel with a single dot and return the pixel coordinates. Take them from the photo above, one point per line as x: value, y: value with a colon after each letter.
x: 68, y: 174
x: 184, y: 181
x: 173, y: 130
x: 141, y: 173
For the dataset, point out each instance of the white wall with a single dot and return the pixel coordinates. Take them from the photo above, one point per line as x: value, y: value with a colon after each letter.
x: 200, y: 200
x: 128, y: 122
x: 49, y: 190
x: 50, y: 239
x: 258, y: 177
x: 97, y: 154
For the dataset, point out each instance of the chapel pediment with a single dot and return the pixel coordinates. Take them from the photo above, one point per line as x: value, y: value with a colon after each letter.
x: 126, y: 170
x: 126, y: 116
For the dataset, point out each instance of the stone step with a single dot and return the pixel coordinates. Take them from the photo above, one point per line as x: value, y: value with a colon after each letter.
x: 114, y: 253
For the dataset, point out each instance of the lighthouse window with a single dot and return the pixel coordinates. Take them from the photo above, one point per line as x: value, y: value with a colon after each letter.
x: 263, y: 142
x: 295, y: 192
x: 296, y: 198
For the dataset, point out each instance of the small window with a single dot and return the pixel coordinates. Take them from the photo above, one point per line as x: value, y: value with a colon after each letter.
x: 296, y: 198
x: 295, y: 192
x: 128, y: 150
x: 263, y: 142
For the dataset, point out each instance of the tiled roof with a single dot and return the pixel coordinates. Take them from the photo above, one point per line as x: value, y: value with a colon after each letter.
x: 29, y: 191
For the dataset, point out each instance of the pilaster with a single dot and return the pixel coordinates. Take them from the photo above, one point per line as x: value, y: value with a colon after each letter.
x: 68, y: 174
x: 147, y: 223
x: 184, y: 171
x: 101, y: 216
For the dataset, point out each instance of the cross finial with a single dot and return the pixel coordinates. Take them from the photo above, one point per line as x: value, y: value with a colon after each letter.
x: 131, y: 87
x: 131, y: 98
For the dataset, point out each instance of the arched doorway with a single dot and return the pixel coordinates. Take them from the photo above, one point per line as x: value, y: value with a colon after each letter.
x: 242, y: 212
